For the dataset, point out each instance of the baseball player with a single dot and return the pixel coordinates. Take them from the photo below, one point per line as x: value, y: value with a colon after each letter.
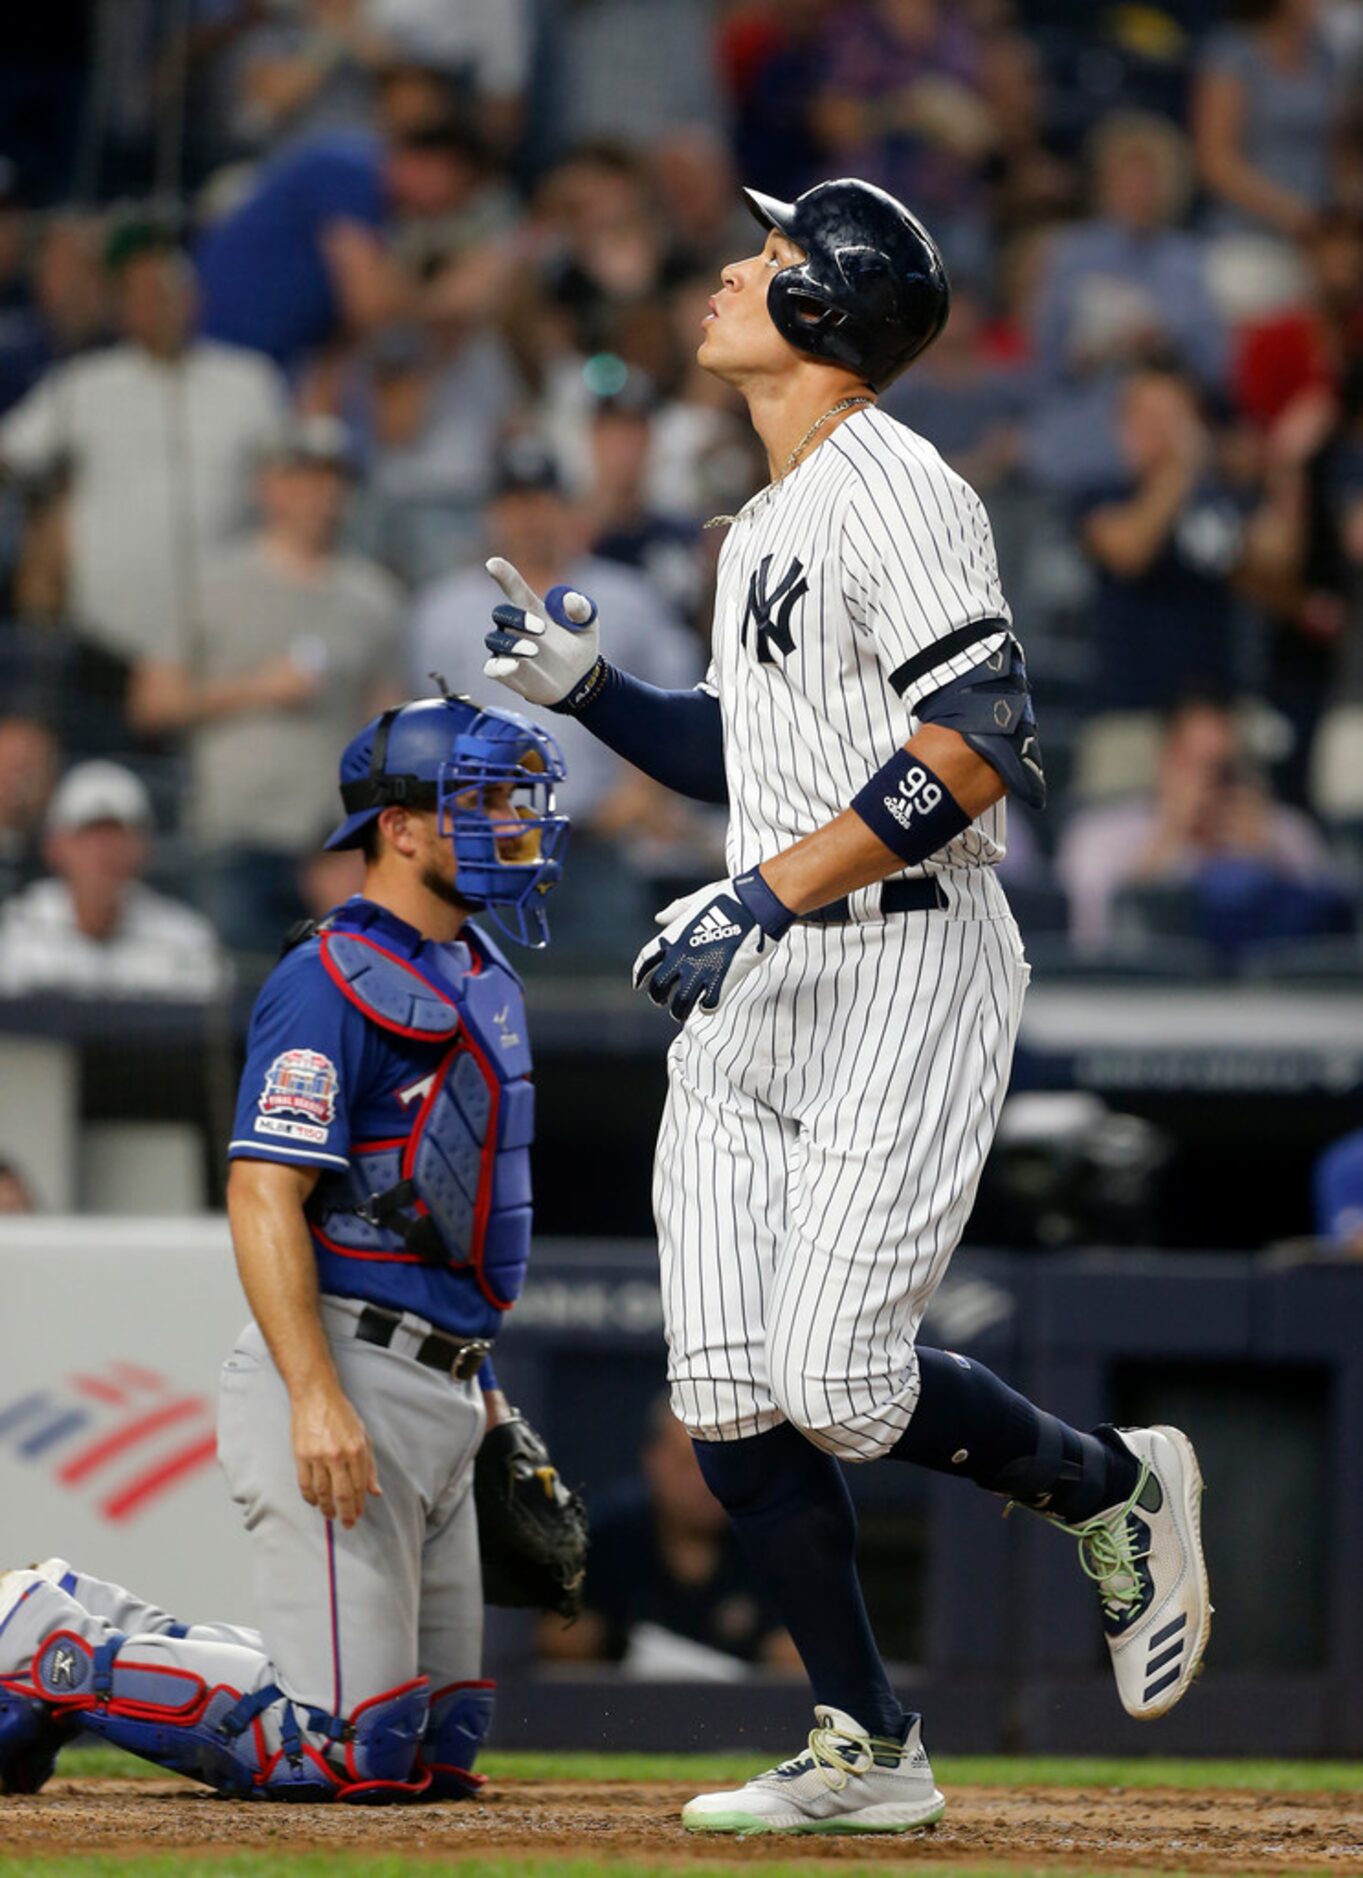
x: 380, y: 1207
x: 850, y: 997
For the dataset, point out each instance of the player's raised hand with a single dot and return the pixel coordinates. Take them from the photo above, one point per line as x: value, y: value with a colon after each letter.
x: 710, y: 940
x: 333, y: 1455
x: 541, y: 649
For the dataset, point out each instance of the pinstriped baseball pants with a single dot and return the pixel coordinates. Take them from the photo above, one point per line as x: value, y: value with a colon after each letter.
x: 820, y: 1149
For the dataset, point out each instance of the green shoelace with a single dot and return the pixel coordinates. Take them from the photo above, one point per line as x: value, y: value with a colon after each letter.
x: 825, y: 1749
x: 1107, y: 1551
x: 1108, y: 1554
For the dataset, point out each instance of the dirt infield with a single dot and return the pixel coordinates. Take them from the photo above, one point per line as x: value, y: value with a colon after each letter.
x: 1157, y: 1829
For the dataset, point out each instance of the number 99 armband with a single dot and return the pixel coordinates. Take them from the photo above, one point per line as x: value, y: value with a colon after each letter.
x: 909, y: 808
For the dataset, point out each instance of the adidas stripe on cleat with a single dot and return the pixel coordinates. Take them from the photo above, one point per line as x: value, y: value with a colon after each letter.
x: 1146, y: 1560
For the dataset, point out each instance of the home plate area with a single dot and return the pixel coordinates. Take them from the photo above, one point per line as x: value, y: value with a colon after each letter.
x: 542, y: 1825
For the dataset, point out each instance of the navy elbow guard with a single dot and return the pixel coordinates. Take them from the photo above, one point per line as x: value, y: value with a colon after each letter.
x: 991, y: 707
x: 910, y: 809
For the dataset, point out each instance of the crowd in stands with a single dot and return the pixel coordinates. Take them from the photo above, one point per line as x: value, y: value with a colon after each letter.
x: 306, y: 306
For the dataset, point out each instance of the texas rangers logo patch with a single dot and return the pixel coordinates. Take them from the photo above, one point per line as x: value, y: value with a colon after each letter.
x: 769, y: 609
x: 301, y: 1082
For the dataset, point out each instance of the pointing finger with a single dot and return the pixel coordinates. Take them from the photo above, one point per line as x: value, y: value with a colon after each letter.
x: 516, y: 588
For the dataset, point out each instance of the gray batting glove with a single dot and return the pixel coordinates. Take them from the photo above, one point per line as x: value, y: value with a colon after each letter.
x: 541, y: 649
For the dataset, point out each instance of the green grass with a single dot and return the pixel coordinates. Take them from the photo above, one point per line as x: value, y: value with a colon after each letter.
x: 952, y: 1770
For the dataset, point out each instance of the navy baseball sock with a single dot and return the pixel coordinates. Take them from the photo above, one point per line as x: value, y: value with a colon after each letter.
x: 970, y: 1422
x: 793, y: 1518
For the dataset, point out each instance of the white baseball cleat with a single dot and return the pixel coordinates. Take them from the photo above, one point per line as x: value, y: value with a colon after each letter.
x: 844, y: 1781
x: 1146, y: 1559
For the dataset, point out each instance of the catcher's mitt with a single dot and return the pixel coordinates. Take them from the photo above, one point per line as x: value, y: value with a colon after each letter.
x: 532, y: 1530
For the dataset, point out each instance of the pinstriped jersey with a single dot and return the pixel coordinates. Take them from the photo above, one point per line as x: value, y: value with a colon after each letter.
x: 848, y: 592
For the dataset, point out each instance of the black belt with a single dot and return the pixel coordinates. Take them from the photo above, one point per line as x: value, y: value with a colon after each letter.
x: 460, y: 1357
x: 896, y: 896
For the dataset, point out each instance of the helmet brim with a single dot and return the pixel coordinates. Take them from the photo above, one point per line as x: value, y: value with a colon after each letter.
x: 347, y: 833
x: 771, y: 212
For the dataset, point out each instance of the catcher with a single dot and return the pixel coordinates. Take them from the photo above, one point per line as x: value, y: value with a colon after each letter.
x: 379, y: 1198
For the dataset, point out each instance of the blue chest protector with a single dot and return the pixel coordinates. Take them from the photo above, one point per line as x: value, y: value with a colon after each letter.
x: 456, y: 1192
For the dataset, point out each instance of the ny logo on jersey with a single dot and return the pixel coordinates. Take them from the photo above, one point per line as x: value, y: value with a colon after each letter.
x: 770, y: 608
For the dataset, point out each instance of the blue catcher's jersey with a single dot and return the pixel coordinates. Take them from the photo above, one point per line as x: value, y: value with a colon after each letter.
x: 400, y: 1068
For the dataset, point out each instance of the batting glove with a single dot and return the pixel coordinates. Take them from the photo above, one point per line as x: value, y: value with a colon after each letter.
x: 542, y: 649
x: 710, y: 940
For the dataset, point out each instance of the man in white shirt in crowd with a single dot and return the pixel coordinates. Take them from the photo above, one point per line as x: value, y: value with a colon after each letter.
x: 301, y: 643
x: 91, y: 928
x: 162, y: 435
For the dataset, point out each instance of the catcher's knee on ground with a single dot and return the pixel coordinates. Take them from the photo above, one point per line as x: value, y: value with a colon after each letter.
x: 206, y: 1709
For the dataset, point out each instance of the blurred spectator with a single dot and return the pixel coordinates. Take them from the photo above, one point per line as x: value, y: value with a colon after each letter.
x: 622, y: 526
x: 1121, y: 290
x: 1253, y: 868
x: 531, y: 522
x: 903, y: 104
x: 161, y: 434
x: 1167, y: 536
x: 300, y: 645
x: 409, y: 97
x: 304, y: 259
x: 704, y: 459
x: 607, y: 258
x: 482, y: 47
x: 15, y: 1195
x: 1127, y: 286
x: 693, y: 178
x: 14, y: 291
x: 29, y: 761
x: 1313, y: 346
x: 771, y: 56
x: 306, y: 73
x: 667, y: 1594
x: 91, y: 927
x: 1307, y: 540
x: 49, y: 668
x: 327, y: 876
x: 1266, y: 114
x: 1337, y: 1183
x: 963, y: 400
x: 430, y: 406
x: 64, y: 309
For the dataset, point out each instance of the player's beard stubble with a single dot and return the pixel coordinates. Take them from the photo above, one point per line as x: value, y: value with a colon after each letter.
x: 447, y: 890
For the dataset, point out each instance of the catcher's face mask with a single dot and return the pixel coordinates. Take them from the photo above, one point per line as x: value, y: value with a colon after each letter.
x: 495, y: 803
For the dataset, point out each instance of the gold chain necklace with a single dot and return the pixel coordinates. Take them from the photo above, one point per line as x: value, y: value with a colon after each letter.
x: 835, y: 410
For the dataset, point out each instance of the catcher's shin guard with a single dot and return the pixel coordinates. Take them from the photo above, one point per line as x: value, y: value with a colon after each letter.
x: 205, y: 1709
x: 460, y: 1719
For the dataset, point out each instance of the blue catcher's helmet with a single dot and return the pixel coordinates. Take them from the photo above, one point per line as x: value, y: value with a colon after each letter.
x: 445, y: 754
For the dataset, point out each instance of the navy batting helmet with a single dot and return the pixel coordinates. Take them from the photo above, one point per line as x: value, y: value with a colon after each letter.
x: 445, y: 754
x: 871, y: 292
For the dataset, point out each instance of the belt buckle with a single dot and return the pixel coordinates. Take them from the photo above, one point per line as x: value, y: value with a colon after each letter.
x: 470, y: 1359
